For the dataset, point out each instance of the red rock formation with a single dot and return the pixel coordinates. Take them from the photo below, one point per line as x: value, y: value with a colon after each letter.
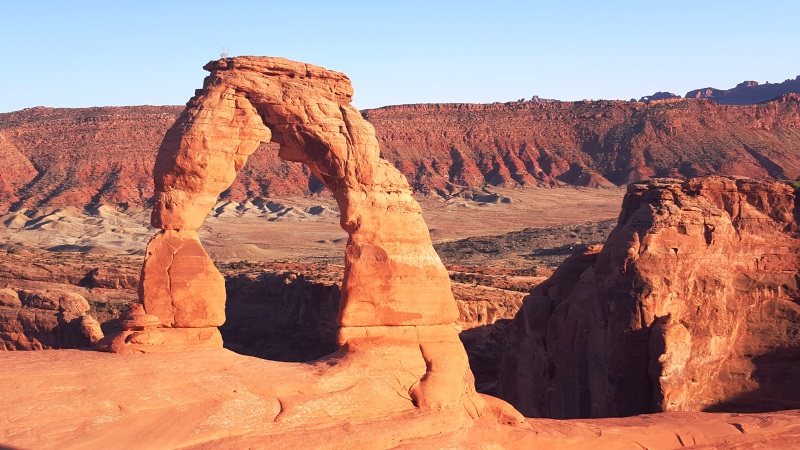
x: 180, y: 284
x: 446, y: 147
x: 73, y: 157
x: 395, y: 292
x: 33, y: 319
x: 691, y: 304
x: 276, y: 311
x: 82, y: 156
x: 77, y: 157
x: 17, y: 173
x: 221, y: 400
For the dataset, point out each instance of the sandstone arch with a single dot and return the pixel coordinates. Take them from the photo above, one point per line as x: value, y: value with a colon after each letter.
x: 395, y: 292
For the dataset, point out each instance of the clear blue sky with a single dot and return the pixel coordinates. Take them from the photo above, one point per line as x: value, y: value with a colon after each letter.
x: 91, y: 53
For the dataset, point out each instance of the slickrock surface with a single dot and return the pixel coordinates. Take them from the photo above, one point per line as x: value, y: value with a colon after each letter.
x: 692, y: 304
x: 215, y: 399
x: 79, y: 157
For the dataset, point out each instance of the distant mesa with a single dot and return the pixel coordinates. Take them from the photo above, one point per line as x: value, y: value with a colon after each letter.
x: 748, y: 92
x: 659, y: 96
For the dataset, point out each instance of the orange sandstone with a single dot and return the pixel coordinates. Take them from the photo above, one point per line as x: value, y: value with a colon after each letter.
x: 692, y: 304
x: 395, y: 292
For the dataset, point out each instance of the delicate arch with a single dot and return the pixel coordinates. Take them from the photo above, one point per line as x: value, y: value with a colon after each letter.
x: 395, y: 290
x: 393, y: 276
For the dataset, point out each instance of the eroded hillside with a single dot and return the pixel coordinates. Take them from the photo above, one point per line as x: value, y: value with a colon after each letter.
x: 79, y: 157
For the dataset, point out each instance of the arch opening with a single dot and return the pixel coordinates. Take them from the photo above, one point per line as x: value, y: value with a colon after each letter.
x: 395, y: 291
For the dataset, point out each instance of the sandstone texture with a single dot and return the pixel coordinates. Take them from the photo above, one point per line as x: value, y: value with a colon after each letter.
x: 215, y: 399
x: 395, y: 297
x: 81, y: 157
x: 35, y: 319
x: 180, y: 284
x: 692, y: 304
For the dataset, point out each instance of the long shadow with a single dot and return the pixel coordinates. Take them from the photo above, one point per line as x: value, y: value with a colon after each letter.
x: 280, y: 316
x: 777, y: 373
x: 484, y: 345
x: 288, y: 317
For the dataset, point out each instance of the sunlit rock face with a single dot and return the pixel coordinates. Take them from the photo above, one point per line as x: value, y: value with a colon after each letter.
x: 692, y: 304
x: 395, y: 290
x: 393, y: 276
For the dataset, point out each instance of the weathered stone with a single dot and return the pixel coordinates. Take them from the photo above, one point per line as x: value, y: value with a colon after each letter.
x: 394, y: 283
x: 72, y: 305
x: 39, y: 299
x: 10, y: 298
x: 36, y: 319
x: 91, y: 329
x: 691, y: 304
x: 180, y: 284
x: 137, y: 320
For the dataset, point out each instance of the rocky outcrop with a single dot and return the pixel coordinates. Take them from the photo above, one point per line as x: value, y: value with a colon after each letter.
x: 80, y: 157
x: 748, y: 92
x: 691, y: 304
x: 395, y: 295
x: 275, y: 311
x: 33, y: 319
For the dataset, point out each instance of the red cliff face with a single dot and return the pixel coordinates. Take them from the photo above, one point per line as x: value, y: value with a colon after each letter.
x: 692, y: 304
x: 77, y: 157
x: 442, y: 148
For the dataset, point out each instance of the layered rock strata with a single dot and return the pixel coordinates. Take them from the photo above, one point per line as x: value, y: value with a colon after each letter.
x: 81, y: 157
x: 691, y: 304
x: 395, y: 293
x: 448, y: 148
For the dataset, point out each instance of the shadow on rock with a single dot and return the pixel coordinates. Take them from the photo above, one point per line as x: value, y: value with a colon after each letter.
x: 280, y: 316
x: 778, y: 376
x: 484, y: 346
